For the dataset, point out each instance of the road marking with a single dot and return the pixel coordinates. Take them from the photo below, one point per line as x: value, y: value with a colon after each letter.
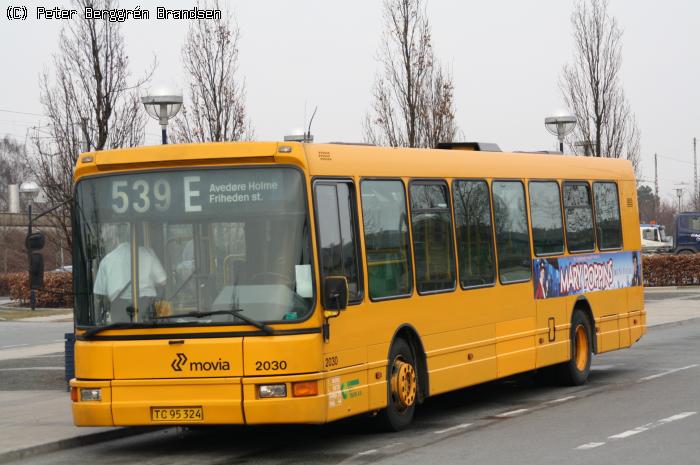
x: 16, y: 345
x: 31, y: 351
x: 32, y: 368
x: 368, y: 452
x: 512, y: 413
x: 648, y: 426
x: 602, y: 367
x: 453, y: 428
x: 638, y: 429
x: 632, y: 432
x: 679, y: 416
x: 561, y: 399
x: 590, y: 445
x: 675, y: 370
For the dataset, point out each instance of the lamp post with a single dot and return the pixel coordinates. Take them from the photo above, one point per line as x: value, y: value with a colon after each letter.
x: 679, y: 193
x: 561, y: 126
x: 29, y: 190
x: 163, y: 105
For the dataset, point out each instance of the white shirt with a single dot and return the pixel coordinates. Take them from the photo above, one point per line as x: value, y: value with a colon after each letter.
x: 114, y: 273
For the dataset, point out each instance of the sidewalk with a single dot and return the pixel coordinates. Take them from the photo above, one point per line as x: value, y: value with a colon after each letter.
x: 37, y: 422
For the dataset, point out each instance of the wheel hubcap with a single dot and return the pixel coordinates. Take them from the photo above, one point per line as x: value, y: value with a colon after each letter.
x: 581, y: 346
x: 403, y: 383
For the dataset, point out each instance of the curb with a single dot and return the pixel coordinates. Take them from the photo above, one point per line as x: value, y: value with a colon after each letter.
x: 70, y: 443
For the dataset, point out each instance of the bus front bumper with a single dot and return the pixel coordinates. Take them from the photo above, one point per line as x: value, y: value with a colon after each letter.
x: 193, y: 401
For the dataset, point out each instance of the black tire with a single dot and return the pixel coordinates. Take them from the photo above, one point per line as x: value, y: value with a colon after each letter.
x: 685, y: 252
x: 575, y: 372
x: 395, y: 416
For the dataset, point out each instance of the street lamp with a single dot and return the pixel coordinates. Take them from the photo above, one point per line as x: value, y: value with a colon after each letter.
x: 29, y: 190
x: 561, y: 126
x: 163, y: 105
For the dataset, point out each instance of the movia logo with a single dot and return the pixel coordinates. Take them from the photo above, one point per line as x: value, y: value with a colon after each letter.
x: 180, y: 362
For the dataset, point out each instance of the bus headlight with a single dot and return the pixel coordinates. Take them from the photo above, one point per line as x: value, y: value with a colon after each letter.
x: 266, y: 391
x: 91, y: 395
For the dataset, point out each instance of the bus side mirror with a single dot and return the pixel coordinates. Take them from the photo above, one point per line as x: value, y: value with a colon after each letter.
x: 335, y: 293
x: 36, y: 270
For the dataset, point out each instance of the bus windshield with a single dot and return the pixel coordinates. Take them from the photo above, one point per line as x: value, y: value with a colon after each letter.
x: 150, y: 246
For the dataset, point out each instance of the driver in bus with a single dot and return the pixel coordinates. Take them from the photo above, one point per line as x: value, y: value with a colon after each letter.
x: 113, y: 281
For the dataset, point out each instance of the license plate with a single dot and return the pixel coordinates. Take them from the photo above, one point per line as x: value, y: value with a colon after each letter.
x: 177, y: 414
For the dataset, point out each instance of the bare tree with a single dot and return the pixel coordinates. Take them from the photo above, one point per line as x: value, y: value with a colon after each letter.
x: 216, y: 109
x: 88, y: 99
x: 592, y: 89
x: 413, y: 96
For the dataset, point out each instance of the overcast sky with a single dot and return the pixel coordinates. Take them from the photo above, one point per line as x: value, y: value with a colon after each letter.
x: 506, y: 58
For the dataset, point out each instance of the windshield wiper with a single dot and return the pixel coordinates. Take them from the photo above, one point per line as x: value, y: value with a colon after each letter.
x: 122, y: 325
x: 236, y: 312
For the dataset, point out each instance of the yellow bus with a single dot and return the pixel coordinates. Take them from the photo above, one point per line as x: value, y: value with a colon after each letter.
x: 283, y: 282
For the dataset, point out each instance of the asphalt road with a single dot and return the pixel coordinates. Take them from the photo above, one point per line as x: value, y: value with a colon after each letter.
x: 15, y: 334
x: 640, y: 406
x: 41, y: 372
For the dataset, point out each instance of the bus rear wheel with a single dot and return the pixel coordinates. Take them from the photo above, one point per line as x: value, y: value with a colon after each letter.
x: 575, y: 372
x: 402, y: 387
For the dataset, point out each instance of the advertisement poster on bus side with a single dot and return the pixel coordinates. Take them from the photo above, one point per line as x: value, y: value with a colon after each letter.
x: 558, y: 277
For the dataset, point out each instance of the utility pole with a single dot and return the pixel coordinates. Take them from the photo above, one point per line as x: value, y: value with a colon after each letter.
x: 656, y: 187
x: 679, y: 193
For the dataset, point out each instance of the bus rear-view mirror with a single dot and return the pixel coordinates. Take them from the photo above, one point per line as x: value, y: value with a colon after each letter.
x: 335, y: 293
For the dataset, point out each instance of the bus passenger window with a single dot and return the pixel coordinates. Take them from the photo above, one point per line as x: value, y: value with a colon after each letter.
x: 433, y: 248
x: 386, y: 238
x: 512, y: 234
x: 545, y: 210
x: 474, y: 233
x: 335, y: 219
x: 607, y: 215
x: 579, y: 217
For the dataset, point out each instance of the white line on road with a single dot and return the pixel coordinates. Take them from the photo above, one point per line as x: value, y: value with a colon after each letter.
x: 31, y: 351
x: 648, y: 426
x: 561, y: 399
x: 16, y: 345
x: 453, y: 428
x: 512, y: 413
x: 368, y: 452
x: 590, y: 445
x: 32, y: 368
x: 632, y: 432
x: 675, y: 370
x: 639, y: 429
x: 679, y: 416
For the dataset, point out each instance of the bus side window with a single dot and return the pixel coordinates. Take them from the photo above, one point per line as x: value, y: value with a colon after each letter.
x: 472, y: 205
x: 607, y: 215
x: 386, y: 238
x: 512, y: 232
x: 580, y: 236
x: 433, y: 248
x: 545, y: 212
x: 336, y: 223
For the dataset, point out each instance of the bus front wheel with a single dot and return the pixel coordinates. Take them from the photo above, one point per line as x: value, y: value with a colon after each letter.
x: 402, y: 387
x: 575, y: 371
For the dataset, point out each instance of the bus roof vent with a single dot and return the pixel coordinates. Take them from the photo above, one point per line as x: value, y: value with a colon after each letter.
x: 470, y: 146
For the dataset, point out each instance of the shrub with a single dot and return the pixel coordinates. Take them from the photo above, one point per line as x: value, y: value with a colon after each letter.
x: 671, y: 270
x: 5, y: 279
x: 57, y: 291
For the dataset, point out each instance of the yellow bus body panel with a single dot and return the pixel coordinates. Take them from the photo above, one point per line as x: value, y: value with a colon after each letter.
x: 466, y: 336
